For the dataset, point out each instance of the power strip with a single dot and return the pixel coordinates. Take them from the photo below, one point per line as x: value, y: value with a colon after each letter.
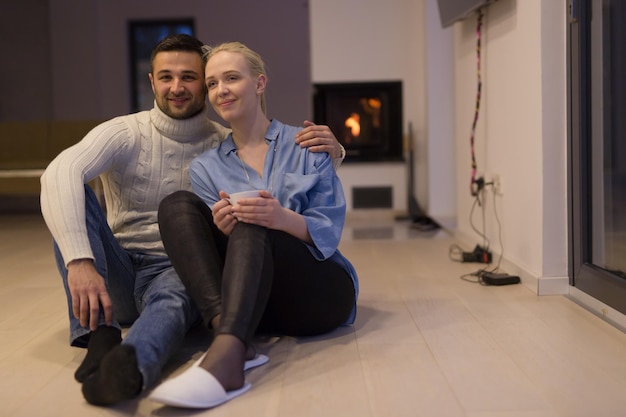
x: 479, y: 255
x: 492, y: 278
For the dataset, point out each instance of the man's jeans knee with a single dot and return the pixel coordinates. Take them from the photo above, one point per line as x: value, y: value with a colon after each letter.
x: 145, y: 291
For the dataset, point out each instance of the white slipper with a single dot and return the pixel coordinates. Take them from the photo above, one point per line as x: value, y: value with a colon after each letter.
x: 258, y: 360
x: 194, y: 388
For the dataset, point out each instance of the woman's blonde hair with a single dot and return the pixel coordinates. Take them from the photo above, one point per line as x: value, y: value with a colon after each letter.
x: 254, y: 60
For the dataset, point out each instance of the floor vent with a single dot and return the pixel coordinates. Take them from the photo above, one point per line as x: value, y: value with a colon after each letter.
x: 372, y: 197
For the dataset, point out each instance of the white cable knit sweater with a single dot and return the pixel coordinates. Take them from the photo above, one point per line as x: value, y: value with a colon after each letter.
x: 141, y: 158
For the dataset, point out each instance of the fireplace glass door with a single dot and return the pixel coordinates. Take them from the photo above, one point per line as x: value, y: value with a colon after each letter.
x: 366, y: 118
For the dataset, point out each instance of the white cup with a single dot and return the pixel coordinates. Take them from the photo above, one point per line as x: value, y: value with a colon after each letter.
x: 235, y: 197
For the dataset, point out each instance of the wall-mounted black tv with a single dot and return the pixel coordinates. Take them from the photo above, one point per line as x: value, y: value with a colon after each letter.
x: 451, y: 11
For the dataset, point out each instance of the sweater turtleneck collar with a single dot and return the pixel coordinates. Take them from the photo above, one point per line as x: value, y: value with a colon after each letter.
x: 182, y: 130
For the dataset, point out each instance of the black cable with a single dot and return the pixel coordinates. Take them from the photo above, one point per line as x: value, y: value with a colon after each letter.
x: 476, y: 185
x: 471, y: 220
x: 480, y: 273
x: 473, y: 188
x: 495, y: 213
x: 455, y: 252
x: 478, y: 277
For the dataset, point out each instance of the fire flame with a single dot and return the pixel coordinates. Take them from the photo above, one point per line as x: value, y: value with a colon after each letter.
x: 353, y: 124
x: 370, y: 109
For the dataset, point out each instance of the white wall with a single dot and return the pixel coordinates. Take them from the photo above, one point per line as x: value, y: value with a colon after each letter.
x: 521, y: 135
x: 370, y: 40
x: 440, y: 123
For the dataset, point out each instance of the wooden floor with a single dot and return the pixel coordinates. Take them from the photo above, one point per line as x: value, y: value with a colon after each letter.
x: 425, y: 343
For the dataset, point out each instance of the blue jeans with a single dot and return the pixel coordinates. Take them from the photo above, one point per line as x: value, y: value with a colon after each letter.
x: 146, y: 294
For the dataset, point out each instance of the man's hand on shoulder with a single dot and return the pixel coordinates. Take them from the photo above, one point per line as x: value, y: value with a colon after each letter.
x: 319, y: 138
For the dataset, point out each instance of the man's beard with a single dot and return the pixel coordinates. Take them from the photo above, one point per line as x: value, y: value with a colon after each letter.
x: 180, y: 113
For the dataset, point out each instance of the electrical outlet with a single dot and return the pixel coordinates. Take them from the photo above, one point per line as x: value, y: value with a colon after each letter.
x: 497, y: 185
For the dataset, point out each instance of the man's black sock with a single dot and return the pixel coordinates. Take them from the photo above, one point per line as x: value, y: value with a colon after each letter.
x: 101, y: 341
x: 117, y: 379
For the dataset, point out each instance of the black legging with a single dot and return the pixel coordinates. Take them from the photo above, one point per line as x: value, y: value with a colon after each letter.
x: 259, y: 280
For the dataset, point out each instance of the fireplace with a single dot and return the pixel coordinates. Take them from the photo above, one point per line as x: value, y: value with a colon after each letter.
x: 366, y: 117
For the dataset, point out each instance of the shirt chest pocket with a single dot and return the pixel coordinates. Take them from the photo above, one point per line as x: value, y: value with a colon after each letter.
x: 297, y: 190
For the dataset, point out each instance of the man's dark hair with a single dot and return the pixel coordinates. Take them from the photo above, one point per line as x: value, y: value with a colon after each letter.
x: 177, y: 42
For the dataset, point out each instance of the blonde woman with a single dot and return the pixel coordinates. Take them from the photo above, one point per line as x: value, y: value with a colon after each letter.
x: 267, y: 264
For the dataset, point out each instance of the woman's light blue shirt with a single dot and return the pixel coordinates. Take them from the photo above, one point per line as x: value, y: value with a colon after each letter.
x: 302, y: 181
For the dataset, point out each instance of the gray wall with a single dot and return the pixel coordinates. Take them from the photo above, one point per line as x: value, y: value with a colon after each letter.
x: 70, y: 60
x: 25, y: 69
